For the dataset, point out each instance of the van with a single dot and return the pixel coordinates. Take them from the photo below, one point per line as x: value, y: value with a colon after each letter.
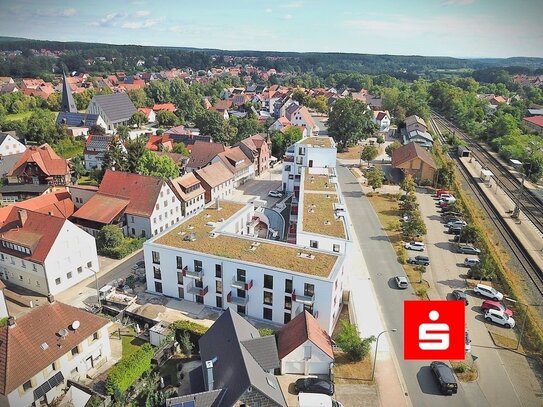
x: 445, y: 378
x: 317, y: 400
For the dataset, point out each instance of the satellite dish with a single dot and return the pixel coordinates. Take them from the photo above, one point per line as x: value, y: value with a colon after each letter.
x: 75, y: 324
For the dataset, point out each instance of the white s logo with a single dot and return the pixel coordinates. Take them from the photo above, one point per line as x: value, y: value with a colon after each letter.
x: 434, y: 336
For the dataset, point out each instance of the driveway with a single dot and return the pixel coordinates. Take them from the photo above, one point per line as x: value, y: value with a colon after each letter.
x: 259, y: 187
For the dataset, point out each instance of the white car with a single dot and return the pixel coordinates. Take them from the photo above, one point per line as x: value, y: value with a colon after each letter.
x: 401, y: 282
x: 275, y: 194
x: 418, y: 246
x: 499, y: 317
x: 456, y: 223
x: 487, y: 291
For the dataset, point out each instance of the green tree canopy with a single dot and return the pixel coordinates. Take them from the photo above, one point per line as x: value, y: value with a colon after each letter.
x: 181, y: 148
x: 348, y: 339
x: 349, y: 121
x: 138, y: 119
x: 167, y: 118
x: 157, y: 166
x: 369, y: 152
x: 375, y: 178
x: 391, y: 147
x: 109, y: 236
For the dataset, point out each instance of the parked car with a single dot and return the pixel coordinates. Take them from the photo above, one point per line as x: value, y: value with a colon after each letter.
x: 275, y: 194
x: 401, y: 282
x: 476, y: 274
x: 445, y: 378
x: 314, y: 399
x: 139, y: 265
x: 451, y: 219
x: 314, y: 385
x: 466, y: 249
x: 455, y: 230
x: 445, y: 196
x: 467, y: 342
x: 418, y: 246
x: 470, y: 262
x: 460, y: 296
x: 419, y: 260
x: 461, y: 239
x: 440, y: 192
x: 500, y: 318
x: 451, y: 214
x: 488, y: 291
x: 489, y: 304
x: 456, y: 223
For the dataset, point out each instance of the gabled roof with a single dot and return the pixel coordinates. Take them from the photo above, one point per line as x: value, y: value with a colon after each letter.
x: 264, y: 351
x: 58, y: 203
x: 299, y: 330
x: 235, y: 159
x: 181, y: 184
x: 537, y: 120
x: 214, y: 174
x: 235, y: 369
x: 409, y: 152
x: 67, y: 104
x: 203, y: 153
x: 102, y: 208
x: 420, y: 134
x: 411, y: 120
x: 306, y: 116
x: 258, y: 140
x: 21, y: 352
x: 46, y: 159
x: 164, y: 106
x: 98, y: 142
x: 7, y: 162
x: 76, y: 119
x: 117, y: 107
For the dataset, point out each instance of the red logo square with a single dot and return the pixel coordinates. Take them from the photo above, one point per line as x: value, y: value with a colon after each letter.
x: 434, y: 330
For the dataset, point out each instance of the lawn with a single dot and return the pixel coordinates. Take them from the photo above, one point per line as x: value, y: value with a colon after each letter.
x: 352, y: 153
x: 131, y: 343
x: 87, y: 180
x: 14, y: 117
x: 346, y: 371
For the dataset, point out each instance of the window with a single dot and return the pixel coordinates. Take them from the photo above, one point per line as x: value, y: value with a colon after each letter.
x: 240, y: 275
x: 21, y: 278
x: 54, y: 366
x: 57, y: 281
x: 309, y: 290
x: 89, y: 264
x: 286, y: 318
x: 198, y: 266
x: 179, y: 261
x: 69, y: 275
x: 268, y: 298
x: 241, y: 309
x: 131, y: 219
x: 27, y: 385
x: 181, y: 292
x: 218, y: 301
x: 74, y: 371
x: 157, y: 273
x: 307, y: 352
x: 309, y: 308
x: 218, y: 270
x: 180, y: 278
x: 23, y: 264
x: 288, y: 286
x: 75, y: 351
x: 158, y: 287
x: 157, y: 206
x: 80, y: 270
x: 95, y: 336
x: 314, y: 244
x: 336, y: 248
x: 267, y: 314
x: 156, y: 257
x: 268, y: 281
x: 218, y: 286
x: 288, y: 302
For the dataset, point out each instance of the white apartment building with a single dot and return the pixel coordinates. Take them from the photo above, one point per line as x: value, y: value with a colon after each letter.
x: 44, y: 253
x: 46, y: 347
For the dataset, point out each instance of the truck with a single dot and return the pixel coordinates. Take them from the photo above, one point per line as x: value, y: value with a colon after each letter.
x: 317, y: 400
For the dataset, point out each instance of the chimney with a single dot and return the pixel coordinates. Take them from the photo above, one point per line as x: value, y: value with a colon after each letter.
x: 51, y: 298
x: 209, y: 368
x: 23, y: 215
x: 11, y: 322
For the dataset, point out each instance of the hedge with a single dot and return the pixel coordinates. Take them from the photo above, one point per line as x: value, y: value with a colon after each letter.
x: 195, y: 331
x: 129, y: 245
x: 125, y: 373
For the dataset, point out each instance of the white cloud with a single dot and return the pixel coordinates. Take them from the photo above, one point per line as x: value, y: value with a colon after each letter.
x: 293, y: 4
x: 68, y: 12
x: 109, y: 20
x: 268, y: 10
x: 137, y: 25
x: 456, y: 2
x: 143, y: 13
x: 287, y: 17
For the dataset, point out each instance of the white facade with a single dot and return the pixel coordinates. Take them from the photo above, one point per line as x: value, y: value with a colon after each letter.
x: 92, y: 353
x: 306, y: 359
x: 69, y: 261
x: 384, y: 123
x: 3, y: 307
x: 81, y: 194
x: 10, y: 145
x: 166, y: 214
x: 194, y: 205
x: 223, y: 191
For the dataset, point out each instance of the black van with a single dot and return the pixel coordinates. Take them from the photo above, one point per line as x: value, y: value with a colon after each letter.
x: 445, y: 378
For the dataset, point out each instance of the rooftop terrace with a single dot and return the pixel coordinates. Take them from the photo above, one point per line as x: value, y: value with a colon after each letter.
x: 323, y: 142
x: 272, y: 254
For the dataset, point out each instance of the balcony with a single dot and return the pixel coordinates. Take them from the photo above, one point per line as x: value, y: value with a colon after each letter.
x: 303, y: 299
x: 192, y: 289
x: 231, y: 298
x: 242, y: 285
x: 192, y: 274
x: 289, y: 159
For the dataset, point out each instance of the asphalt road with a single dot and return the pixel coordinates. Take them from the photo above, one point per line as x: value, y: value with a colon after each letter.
x: 382, y: 265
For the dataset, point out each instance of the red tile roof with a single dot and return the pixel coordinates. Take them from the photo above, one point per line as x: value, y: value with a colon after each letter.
x: 537, y: 120
x: 102, y: 208
x: 164, y: 106
x: 302, y: 328
x: 202, y: 153
x: 21, y: 354
x: 409, y: 152
x: 235, y: 159
x: 57, y: 203
x: 46, y: 159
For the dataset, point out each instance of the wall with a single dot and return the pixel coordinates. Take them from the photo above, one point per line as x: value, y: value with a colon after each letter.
x: 80, y: 196
x: 11, y: 146
x: 167, y: 214
x: 3, y: 307
x: 12, y: 269
x: 320, y: 359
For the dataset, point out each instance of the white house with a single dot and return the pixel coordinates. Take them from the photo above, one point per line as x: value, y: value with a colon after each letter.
x: 45, y: 253
x: 10, y: 145
x: 382, y: 119
x: 302, y: 117
x: 280, y: 124
x: 237, y: 163
x: 96, y: 147
x: 46, y: 347
x: 304, y: 347
x: 217, y: 181
x: 190, y: 192
x: 3, y: 306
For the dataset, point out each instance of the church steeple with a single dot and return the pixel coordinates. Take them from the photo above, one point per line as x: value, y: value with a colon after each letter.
x: 68, y: 103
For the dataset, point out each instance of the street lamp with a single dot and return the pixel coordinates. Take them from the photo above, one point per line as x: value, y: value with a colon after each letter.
x: 376, y: 348
x: 520, y: 165
x: 97, y: 288
x: 523, y: 319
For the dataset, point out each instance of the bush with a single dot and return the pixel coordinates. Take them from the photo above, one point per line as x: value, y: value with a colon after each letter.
x: 350, y: 342
x: 127, y: 246
x: 461, y: 368
x: 108, y: 237
x: 194, y: 330
x: 394, y: 225
x: 402, y: 255
x: 125, y: 373
x: 266, y: 331
x: 186, y: 345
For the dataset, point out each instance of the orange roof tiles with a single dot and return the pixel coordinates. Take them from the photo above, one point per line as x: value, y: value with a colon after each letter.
x: 45, y: 158
x: 102, y: 208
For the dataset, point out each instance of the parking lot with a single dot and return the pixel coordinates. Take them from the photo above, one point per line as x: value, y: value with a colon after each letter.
x: 258, y: 188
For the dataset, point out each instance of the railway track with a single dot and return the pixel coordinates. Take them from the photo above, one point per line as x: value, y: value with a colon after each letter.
x: 528, y: 203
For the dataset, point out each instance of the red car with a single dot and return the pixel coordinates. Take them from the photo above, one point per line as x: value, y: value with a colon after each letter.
x: 489, y: 304
x: 440, y: 192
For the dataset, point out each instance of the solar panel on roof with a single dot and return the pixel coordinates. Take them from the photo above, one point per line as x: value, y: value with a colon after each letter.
x: 56, y: 379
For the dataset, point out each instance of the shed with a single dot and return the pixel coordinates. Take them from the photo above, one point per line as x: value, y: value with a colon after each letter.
x: 486, y: 175
x: 463, y: 151
x: 159, y: 332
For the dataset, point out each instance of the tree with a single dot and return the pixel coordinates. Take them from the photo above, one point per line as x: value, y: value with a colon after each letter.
x: 350, y: 121
x: 408, y: 184
x: 109, y: 236
x: 157, y: 166
x: 469, y: 234
x: 139, y: 98
x: 375, y: 178
x: 180, y: 148
x: 134, y: 151
x: 410, y: 204
x: 348, y: 339
x: 138, y: 119
x: 123, y: 131
x: 41, y: 128
x: 369, y: 152
x: 53, y: 101
x: 380, y: 139
x: 391, y: 147
x: 212, y: 124
x: 97, y: 130
x: 446, y: 174
x: 167, y: 118
x: 115, y: 157
x: 414, y: 226
x: 186, y: 344
x: 77, y: 166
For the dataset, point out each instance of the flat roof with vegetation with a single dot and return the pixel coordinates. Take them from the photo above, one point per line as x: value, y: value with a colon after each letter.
x: 318, y: 182
x: 324, y: 142
x: 268, y: 253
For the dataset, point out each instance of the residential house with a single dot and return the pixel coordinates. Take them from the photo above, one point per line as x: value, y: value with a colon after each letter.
x: 81, y: 194
x: 114, y: 109
x: 534, y: 124
x: 217, y: 181
x: 190, y: 192
x: 45, y: 348
x: 7, y: 162
x: 45, y: 253
x: 58, y: 203
x: 414, y: 122
x: 302, y: 117
x: 304, y: 347
x: 415, y: 160
x: 170, y: 107
x: 203, y: 154
x: 237, y: 367
x: 186, y: 135
x: 149, y: 113
x: 142, y: 206
x: 37, y: 87
x: 10, y: 145
x: 279, y: 105
x: 382, y: 119
x: 238, y: 163
x: 256, y: 148
x: 422, y: 138
x: 96, y: 147
x: 8, y: 87
x: 3, y: 306
x: 159, y: 143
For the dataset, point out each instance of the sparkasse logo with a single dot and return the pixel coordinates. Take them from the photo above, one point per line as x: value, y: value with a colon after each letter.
x: 434, y: 330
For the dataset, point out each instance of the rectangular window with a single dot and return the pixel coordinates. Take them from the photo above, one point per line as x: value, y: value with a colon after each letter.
x: 267, y: 314
x: 157, y: 273
x: 54, y: 366
x: 288, y: 302
x: 57, y: 281
x: 309, y: 290
x: 156, y: 257
x: 69, y: 275
x: 268, y: 298
x: 288, y: 286
x: 309, y: 308
x: 95, y: 336
x: 158, y: 287
x: 218, y: 300
x: 181, y: 292
x: 179, y: 260
x: 286, y: 318
x: 75, y: 351
x: 218, y: 286
x: 336, y: 248
x: 198, y: 266
x: 27, y: 385
x: 241, y: 309
x: 180, y: 278
x: 314, y: 244
x: 268, y: 281
x: 23, y: 264
x: 89, y: 264
x: 80, y: 270
x: 218, y: 270
x: 240, y: 275
x: 307, y: 352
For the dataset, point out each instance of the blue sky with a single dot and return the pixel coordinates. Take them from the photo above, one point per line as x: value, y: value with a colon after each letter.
x: 459, y: 28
